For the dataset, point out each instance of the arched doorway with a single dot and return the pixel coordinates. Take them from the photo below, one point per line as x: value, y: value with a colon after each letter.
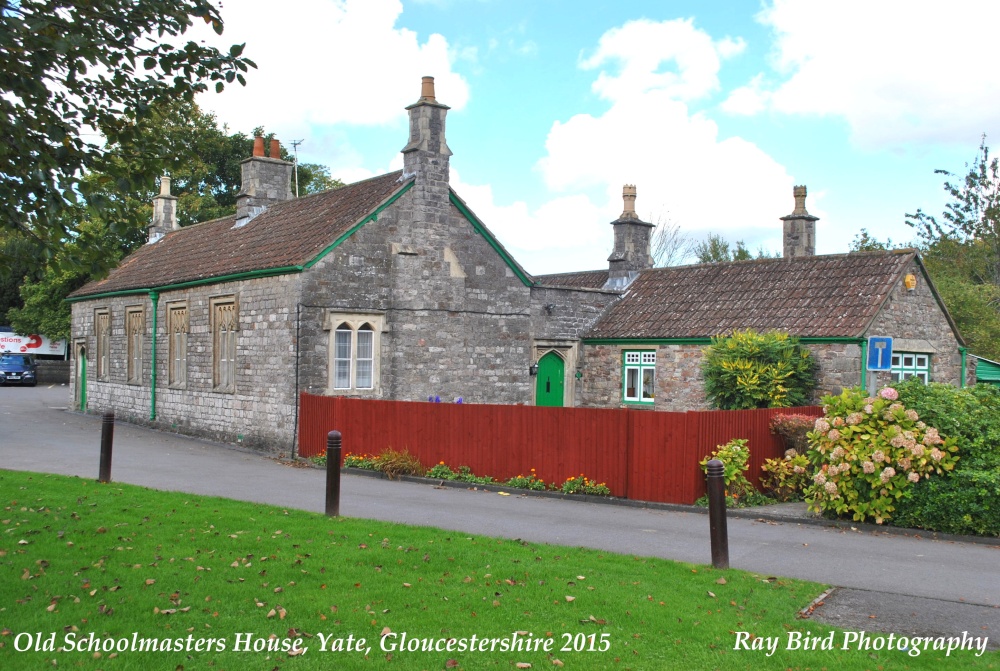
x: 550, y: 380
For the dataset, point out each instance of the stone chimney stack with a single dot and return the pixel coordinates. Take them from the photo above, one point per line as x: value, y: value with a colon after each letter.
x: 164, y: 212
x: 266, y: 180
x: 799, y: 233
x: 633, y: 238
x: 426, y: 154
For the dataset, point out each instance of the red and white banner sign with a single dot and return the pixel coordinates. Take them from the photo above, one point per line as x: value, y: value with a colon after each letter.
x: 33, y: 344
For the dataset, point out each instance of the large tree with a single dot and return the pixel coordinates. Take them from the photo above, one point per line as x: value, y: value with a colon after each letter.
x: 961, y: 249
x: 75, y: 71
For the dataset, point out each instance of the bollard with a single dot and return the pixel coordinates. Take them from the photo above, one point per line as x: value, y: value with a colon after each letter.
x: 107, y: 438
x: 717, y: 514
x: 333, y: 474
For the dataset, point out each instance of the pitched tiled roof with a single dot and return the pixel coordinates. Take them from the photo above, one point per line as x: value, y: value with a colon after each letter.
x: 810, y: 296
x: 289, y: 233
x: 587, y: 279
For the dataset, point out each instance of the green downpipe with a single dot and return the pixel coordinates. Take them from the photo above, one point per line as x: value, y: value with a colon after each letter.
x: 154, y: 297
x: 864, y: 364
x: 965, y: 366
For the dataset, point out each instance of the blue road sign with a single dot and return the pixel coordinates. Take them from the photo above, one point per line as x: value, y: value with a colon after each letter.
x: 879, y: 353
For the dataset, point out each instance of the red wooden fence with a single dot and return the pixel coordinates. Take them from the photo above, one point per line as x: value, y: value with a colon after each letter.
x: 642, y: 455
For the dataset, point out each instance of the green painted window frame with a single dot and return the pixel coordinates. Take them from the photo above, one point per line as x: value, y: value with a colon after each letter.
x: 641, y: 362
x: 911, y: 364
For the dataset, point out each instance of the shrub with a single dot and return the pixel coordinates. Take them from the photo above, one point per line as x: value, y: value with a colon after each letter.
x: 440, y: 471
x: 368, y: 463
x: 794, y: 430
x: 785, y: 479
x: 395, y: 463
x: 527, y: 482
x: 869, y: 451
x: 465, y: 474
x: 735, y: 456
x: 758, y: 370
x: 583, y: 485
x: 966, y: 500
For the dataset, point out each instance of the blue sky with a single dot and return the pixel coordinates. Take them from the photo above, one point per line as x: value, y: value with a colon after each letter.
x: 714, y: 110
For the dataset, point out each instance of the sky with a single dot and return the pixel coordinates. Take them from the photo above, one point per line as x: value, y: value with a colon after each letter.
x: 714, y: 110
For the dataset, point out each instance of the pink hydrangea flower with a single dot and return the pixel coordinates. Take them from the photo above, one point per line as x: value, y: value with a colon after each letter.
x: 830, y: 487
x: 822, y: 425
x: 855, y: 418
x: 904, y: 463
x: 838, y: 452
x: 917, y: 451
x: 833, y: 435
x: 798, y: 469
x: 936, y: 454
x: 878, y: 456
x: 868, y: 467
x: 912, y: 415
x: 887, y: 474
x: 889, y: 394
x: 897, y: 441
x: 820, y: 478
x: 869, y: 409
x: 913, y: 476
x: 837, y: 422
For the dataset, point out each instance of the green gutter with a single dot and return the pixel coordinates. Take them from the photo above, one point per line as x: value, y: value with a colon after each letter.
x: 965, y: 363
x: 154, y: 297
x: 707, y: 341
x: 478, y: 226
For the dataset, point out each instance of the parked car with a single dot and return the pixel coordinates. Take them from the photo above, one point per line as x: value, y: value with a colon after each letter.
x: 17, y: 369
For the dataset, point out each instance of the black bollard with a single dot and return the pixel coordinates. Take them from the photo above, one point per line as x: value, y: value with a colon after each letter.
x: 107, y: 438
x: 717, y: 514
x: 333, y: 474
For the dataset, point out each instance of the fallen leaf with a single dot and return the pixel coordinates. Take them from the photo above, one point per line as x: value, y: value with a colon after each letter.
x: 711, y: 594
x: 571, y: 598
x: 720, y: 581
x: 557, y: 662
x: 406, y: 584
x: 272, y: 613
x: 523, y: 665
x: 150, y: 581
x: 451, y: 664
x: 386, y: 631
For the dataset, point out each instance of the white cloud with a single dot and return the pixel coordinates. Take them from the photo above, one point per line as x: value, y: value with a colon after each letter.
x: 651, y: 138
x: 641, y: 47
x: 327, y: 62
x: 896, y: 71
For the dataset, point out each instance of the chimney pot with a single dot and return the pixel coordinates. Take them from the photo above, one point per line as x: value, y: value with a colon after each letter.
x: 427, y: 90
x: 799, y: 228
x: 799, y: 193
x: 165, y: 185
x: 258, y: 146
x: 628, y: 196
x: 275, y: 148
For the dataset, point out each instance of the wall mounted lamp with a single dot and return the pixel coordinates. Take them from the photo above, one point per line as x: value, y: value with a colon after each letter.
x: 533, y: 369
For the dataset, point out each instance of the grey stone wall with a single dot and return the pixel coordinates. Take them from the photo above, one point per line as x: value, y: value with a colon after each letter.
x: 916, y: 322
x: 261, y: 412
x: 679, y: 383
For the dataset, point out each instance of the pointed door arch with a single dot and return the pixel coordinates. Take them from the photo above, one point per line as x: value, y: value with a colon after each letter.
x: 550, y: 381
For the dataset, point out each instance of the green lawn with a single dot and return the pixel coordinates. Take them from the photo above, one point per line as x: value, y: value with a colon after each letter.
x: 84, y: 564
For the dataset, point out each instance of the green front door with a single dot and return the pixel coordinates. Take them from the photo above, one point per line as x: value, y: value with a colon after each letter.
x: 549, y: 382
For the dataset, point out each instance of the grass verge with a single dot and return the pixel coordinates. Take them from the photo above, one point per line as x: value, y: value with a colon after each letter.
x: 107, y: 570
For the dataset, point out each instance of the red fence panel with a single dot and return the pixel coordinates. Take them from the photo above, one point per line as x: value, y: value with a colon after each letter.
x: 642, y: 455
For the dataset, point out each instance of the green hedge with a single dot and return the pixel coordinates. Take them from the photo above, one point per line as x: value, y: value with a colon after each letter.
x: 966, y: 500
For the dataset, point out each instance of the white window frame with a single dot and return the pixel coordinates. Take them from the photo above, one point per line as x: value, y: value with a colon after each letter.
x: 348, y: 333
x: 639, y: 363
x: 911, y: 364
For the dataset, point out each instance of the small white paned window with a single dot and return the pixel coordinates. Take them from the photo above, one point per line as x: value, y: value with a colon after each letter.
x: 639, y: 377
x: 342, y: 356
x: 911, y: 364
x: 354, y: 351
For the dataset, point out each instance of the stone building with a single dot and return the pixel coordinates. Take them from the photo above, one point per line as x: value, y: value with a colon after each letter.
x: 392, y: 288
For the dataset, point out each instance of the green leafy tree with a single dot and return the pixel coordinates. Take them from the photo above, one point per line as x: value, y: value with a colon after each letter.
x: 73, y: 69
x: 22, y: 253
x: 961, y: 250
x: 716, y: 249
x: 758, y: 370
